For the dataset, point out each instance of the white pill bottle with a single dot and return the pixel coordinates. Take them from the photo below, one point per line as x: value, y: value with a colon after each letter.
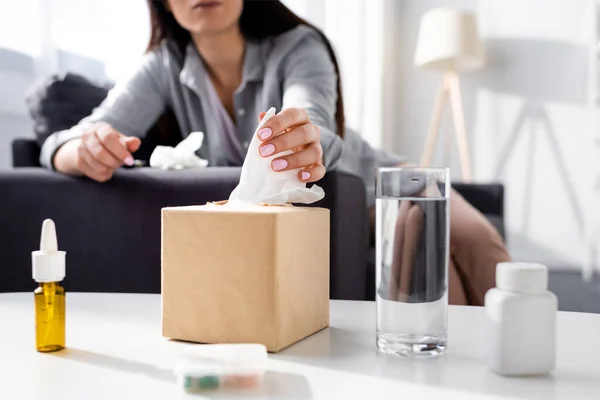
x: 521, y: 316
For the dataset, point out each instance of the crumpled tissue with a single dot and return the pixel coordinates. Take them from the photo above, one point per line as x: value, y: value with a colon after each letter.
x: 259, y: 184
x: 181, y: 156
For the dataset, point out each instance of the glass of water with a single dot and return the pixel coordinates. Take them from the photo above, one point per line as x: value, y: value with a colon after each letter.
x: 412, y: 234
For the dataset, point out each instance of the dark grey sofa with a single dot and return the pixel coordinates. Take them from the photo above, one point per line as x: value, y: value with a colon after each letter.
x: 111, y: 231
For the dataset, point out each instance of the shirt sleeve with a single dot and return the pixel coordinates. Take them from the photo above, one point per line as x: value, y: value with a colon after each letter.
x: 131, y: 107
x: 310, y: 83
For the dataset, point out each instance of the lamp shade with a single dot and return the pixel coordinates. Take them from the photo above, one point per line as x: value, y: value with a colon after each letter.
x: 449, y: 41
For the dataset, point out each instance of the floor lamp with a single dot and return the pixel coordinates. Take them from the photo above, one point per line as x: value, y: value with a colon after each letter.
x: 449, y: 43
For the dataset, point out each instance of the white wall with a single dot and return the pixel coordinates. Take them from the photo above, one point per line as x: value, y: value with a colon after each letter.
x: 36, y: 40
x: 538, y: 61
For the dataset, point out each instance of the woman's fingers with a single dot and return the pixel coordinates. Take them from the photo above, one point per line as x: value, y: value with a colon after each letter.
x: 101, y: 150
x: 288, y: 118
x: 312, y: 154
x: 93, y: 145
x: 312, y: 173
x: 90, y: 160
x: 291, y: 130
x: 261, y: 116
x: 90, y: 167
x: 131, y: 142
x: 111, y: 141
x: 300, y: 136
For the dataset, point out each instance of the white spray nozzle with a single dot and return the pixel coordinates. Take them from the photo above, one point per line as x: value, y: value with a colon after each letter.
x: 48, y: 262
x: 48, y: 243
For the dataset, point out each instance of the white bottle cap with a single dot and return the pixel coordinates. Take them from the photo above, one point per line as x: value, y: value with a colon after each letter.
x: 48, y: 263
x: 522, y: 277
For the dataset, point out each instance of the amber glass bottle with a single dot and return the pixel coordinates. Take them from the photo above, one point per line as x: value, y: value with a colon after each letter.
x: 49, y: 297
x: 49, y: 317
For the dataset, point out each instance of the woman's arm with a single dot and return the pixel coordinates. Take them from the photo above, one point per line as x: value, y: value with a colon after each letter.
x: 310, y: 84
x: 307, y: 119
x: 102, y: 142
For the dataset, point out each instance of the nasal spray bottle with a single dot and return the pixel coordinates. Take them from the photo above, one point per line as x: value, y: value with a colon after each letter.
x: 48, y: 270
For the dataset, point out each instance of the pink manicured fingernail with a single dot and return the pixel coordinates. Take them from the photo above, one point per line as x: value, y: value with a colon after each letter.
x: 265, y: 133
x: 267, y: 150
x: 129, y: 161
x: 305, y: 175
x: 280, y: 164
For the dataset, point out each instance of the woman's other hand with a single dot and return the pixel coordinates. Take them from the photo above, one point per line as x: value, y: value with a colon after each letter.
x: 291, y: 129
x: 97, y: 154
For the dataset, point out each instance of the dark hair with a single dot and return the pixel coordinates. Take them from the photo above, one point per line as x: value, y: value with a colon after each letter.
x: 280, y: 19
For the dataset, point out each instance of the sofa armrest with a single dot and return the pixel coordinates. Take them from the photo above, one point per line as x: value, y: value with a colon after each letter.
x: 487, y: 198
x: 111, y: 231
x: 25, y: 153
x: 346, y: 199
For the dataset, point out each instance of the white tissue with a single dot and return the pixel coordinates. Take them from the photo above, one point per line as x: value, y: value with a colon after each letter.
x: 260, y: 184
x: 181, y: 156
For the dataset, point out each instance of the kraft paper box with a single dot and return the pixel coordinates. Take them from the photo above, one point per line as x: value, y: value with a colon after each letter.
x: 251, y: 274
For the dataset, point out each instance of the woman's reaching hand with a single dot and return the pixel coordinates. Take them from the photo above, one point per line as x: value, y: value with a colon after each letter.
x: 97, y: 154
x: 291, y: 129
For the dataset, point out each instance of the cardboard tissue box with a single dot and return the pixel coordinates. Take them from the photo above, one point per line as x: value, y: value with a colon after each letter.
x: 249, y: 274
x: 242, y: 272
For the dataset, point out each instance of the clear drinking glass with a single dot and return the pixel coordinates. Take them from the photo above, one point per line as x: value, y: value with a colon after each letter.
x: 412, y: 237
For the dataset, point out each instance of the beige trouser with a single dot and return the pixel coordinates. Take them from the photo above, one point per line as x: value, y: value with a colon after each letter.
x: 475, y: 249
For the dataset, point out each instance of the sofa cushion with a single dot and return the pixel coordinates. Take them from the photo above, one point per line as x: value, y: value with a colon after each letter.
x: 61, y: 101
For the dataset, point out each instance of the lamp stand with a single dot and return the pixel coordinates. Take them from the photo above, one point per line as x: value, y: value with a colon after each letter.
x: 450, y: 88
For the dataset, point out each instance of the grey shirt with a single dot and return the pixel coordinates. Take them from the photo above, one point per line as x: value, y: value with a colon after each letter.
x: 235, y: 150
x: 290, y: 70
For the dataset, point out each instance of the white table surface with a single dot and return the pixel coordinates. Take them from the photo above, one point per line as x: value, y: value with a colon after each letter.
x: 115, y: 351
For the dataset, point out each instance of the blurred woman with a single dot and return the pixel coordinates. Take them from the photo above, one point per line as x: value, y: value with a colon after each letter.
x: 217, y: 65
